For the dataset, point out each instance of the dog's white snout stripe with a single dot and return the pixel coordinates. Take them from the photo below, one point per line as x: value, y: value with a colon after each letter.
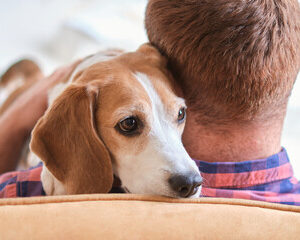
x: 165, y: 139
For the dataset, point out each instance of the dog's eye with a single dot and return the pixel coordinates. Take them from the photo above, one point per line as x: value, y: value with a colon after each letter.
x: 128, y: 125
x: 181, y: 115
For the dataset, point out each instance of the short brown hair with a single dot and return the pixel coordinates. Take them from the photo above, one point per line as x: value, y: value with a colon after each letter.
x: 234, y: 59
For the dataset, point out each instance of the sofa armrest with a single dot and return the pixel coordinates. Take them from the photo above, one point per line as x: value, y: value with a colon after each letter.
x: 129, y: 216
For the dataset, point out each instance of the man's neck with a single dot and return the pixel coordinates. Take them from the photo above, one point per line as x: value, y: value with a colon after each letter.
x: 235, y: 143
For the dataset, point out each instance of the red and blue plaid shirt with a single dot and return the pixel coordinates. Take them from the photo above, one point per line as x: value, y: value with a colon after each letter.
x: 269, y: 180
x: 25, y: 183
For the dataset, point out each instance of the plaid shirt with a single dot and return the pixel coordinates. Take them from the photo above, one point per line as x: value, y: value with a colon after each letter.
x: 28, y: 183
x: 25, y: 183
x: 269, y: 180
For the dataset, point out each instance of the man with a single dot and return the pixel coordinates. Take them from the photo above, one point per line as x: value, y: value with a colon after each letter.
x: 236, y: 62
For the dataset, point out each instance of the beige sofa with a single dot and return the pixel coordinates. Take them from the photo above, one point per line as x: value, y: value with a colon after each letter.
x: 128, y: 216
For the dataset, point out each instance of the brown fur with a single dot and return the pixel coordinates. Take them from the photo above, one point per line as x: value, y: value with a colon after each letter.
x: 235, y: 60
x: 15, y: 94
x: 25, y: 69
x: 66, y: 140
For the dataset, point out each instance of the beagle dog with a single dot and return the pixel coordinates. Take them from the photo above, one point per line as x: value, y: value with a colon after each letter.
x: 117, y: 114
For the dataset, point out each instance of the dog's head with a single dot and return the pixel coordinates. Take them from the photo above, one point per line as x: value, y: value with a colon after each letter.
x: 118, y: 116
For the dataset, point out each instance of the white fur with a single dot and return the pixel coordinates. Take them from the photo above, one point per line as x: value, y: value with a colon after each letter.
x: 163, y: 156
x: 32, y: 159
x: 50, y: 183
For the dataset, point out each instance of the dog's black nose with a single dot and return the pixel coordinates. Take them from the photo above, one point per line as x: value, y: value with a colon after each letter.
x: 185, y: 185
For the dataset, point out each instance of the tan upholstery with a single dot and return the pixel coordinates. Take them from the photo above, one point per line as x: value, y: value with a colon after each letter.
x: 125, y: 216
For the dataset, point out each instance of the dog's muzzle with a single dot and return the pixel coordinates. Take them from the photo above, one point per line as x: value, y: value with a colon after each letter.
x: 185, y: 185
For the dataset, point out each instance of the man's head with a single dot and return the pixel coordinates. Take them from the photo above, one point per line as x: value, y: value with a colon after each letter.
x: 236, y: 60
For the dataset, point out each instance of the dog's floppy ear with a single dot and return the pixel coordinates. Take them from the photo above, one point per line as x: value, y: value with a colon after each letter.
x: 153, y: 54
x: 66, y: 140
x: 160, y: 62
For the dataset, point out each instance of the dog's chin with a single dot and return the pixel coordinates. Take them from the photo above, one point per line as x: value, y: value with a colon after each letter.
x: 126, y: 189
x: 197, y: 194
x: 171, y: 195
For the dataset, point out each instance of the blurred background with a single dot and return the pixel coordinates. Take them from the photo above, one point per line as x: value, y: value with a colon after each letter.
x: 56, y: 32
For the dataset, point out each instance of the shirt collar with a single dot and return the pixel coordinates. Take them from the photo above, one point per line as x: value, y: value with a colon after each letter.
x: 247, y: 173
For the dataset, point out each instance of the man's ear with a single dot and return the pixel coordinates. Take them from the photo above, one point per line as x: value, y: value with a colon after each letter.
x: 66, y: 140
